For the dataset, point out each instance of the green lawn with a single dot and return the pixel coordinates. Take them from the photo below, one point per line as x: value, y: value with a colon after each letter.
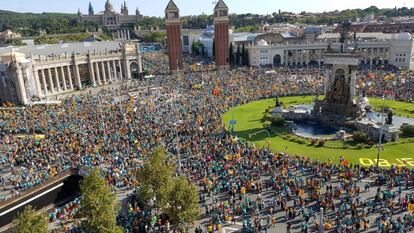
x: 249, y: 116
x: 400, y: 108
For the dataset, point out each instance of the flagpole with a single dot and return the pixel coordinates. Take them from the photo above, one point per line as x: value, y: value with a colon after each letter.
x: 382, y: 127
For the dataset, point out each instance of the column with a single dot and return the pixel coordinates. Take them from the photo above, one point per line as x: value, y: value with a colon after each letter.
x: 45, y: 91
x: 127, y: 68
x: 319, y: 58
x: 77, y: 76
x: 139, y: 59
x: 115, y: 71
x: 62, y: 71
x: 301, y: 57
x: 121, y: 76
x: 22, y: 88
x: 287, y: 57
x: 91, y: 74
x: 327, y: 84
x: 109, y: 72
x: 69, y: 78
x: 52, y: 87
x: 370, y: 57
x: 296, y: 57
x: 307, y: 57
x: 56, y: 78
x: 98, y: 75
x: 352, y: 84
x: 103, y: 72
x: 37, y: 82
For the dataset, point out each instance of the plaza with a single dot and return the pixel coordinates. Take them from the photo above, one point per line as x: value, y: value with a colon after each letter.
x: 205, y: 145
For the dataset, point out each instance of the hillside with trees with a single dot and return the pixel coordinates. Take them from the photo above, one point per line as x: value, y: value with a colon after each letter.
x: 30, y: 24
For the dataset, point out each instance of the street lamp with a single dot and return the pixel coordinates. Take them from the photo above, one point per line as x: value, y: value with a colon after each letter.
x: 321, y: 221
x: 382, y: 128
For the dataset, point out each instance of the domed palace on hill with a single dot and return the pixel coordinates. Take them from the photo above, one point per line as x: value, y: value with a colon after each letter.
x: 109, y: 18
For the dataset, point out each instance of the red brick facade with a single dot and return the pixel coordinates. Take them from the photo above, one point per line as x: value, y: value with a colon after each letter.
x: 174, y: 46
x: 221, y: 34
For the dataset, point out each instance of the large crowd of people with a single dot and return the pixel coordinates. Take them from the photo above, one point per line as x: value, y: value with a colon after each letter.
x: 116, y: 127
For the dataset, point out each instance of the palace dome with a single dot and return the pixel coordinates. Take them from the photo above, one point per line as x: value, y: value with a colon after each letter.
x: 404, y: 36
x: 262, y: 43
x: 108, y: 6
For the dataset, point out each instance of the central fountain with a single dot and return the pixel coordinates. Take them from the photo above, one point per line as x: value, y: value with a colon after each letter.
x: 339, y: 106
x: 340, y: 109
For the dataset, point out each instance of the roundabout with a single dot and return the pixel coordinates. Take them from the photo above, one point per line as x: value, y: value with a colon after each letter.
x: 251, y: 127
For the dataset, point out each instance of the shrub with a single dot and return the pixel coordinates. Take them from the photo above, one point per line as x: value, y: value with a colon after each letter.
x: 266, y: 117
x: 360, y: 146
x: 371, y: 143
x: 408, y: 130
x: 360, y: 137
x: 321, y: 142
x: 277, y: 120
x: 368, y: 146
x: 301, y: 141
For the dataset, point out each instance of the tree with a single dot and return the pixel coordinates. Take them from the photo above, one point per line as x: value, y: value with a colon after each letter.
x: 231, y: 53
x: 203, y: 50
x: 99, y: 206
x: 30, y: 222
x: 159, y: 189
x: 238, y: 55
x: 408, y: 130
x: 277, y: 121
x: 196, y: 47
x: 183, y: 202
x: 243, y: 55
x: 247, y: 57
x: 156, y: 179
x: 214, y: 48
x: 360, y: 136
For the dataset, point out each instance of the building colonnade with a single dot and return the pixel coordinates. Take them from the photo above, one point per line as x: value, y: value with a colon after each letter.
x: 370, y: 56
x: 57, y: 79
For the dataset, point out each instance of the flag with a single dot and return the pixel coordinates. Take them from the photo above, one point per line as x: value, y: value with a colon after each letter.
x: 345, y: 162
x: 302, y: 193
x: 411, y: 208
x: 215, y: 91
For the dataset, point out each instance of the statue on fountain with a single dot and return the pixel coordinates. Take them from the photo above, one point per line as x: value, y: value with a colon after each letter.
x: 389, y: 117
x: 344, y: 33
x: 345, y: 30
x: 277, y: 102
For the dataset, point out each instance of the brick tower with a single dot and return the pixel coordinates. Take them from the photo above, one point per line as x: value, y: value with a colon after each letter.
x: 173, y: 25
x: 221, y: 34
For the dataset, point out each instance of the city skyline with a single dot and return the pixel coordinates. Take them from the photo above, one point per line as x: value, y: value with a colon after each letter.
x: 156, y: 8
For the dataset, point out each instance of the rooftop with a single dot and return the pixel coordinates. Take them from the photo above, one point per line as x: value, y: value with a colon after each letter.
x: 60, y: 49
x: 171, y: 6
x: 221, y: 5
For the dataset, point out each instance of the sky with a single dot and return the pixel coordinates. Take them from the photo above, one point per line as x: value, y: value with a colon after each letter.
x: 195, y: 7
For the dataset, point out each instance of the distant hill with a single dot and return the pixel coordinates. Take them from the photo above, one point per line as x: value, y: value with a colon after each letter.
x: 29, y: 24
